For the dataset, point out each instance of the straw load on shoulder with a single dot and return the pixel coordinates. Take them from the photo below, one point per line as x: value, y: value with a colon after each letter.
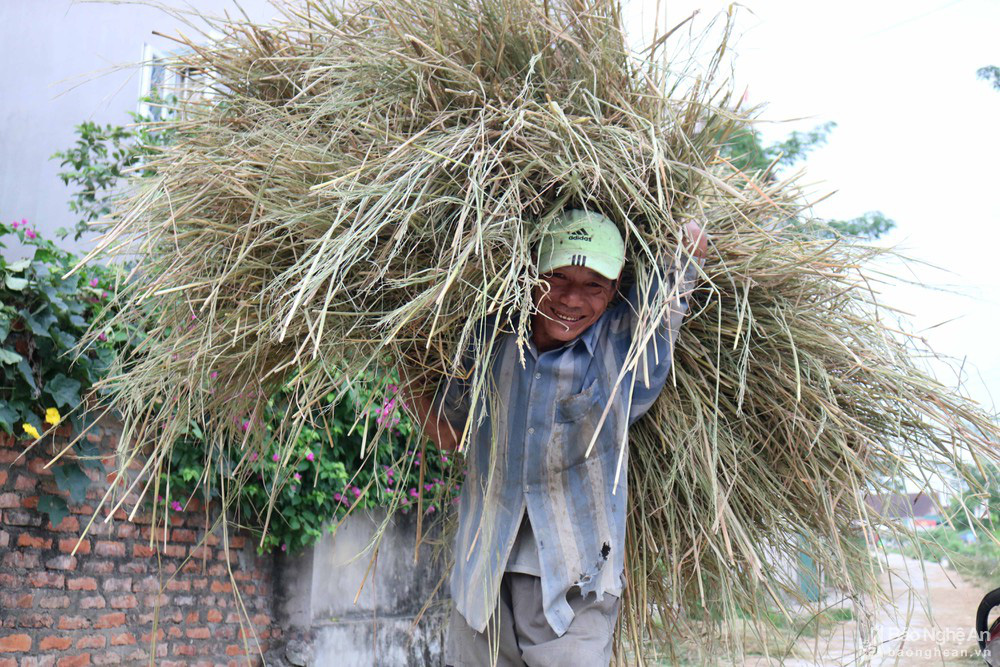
x: 364, y: 185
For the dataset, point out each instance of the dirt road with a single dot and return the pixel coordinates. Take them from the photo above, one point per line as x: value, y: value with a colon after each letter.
x: 930, y: 622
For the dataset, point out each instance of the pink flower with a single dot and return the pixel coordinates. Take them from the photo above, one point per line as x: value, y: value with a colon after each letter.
x: 444, y: 459
x: 275, y: 457
x: 176, y: 506
x: 392, y: 388
x: 413, y: 493
x: 102, y: 337
x: 431, y: 509
x: 30, y: 233
x: 284, y: 547
x: 246, y: 424
x: 310, y: 457
x: 104, y: 295
x: 15, y: 224
x: 390, y: 472
x: 193, y: 316
x: 296, y: 477
x: 356, y: 491
x: 213, y: 374
x: 24, y: 222
x: 93, y: 282
x: 428, y: 487
x: 253, y: 456
x: 339, y: 498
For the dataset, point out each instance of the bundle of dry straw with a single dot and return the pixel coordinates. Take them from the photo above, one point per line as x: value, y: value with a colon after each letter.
x: 363, y: 185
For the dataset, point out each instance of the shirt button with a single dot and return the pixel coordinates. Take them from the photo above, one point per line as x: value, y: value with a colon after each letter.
x: 538, y: 376
x: 531, y: 430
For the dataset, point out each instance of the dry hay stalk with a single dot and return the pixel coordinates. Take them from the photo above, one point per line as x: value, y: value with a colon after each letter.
x: 366, y: 184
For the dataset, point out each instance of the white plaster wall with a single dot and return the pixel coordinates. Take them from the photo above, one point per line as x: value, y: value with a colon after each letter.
x: 63, y: 62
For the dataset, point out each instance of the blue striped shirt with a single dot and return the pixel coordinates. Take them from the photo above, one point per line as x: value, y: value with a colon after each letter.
x: 526, y: 451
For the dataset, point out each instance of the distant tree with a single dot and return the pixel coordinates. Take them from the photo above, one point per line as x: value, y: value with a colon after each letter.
x: 990, y: 73
x: 746, y: 152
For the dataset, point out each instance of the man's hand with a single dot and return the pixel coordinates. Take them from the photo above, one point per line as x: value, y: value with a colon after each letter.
x: 695, y: 240
x: 434, y: 425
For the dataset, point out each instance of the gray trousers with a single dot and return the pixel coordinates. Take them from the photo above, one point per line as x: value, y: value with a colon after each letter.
x: 519, y: 636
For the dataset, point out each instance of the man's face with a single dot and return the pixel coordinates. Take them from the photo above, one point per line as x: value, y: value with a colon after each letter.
x: 576, y: 298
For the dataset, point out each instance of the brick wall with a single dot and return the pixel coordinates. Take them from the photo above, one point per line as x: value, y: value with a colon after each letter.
x: 117, y: 600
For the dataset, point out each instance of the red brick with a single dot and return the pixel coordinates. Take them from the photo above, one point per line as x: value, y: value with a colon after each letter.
x: 142, y: 551
x: 93, y: 641
x: 183, y: 535
x: 201, y: 553
x: 8, y: 662
x: 198, y: 633
x: 213, y: 616
x: 192, y: 617
x: 21, y: 518
x: 73, y: 623
x: 68, y: 544
x: 4, y: 539
x: 123, y: 639
x: 54, y: 602
x: 69, y: 524
x: 9, y: 501
x: 21, y: 560
x: 16, y: 600
x: 113, y: 620
x: 3, y: 476
x: 237, y: 541
x: 34, y: 621
x: 93, y: 602
x: 46, y: 580
x: 81, y: 660
x: 23, y: 483
x: 261, y: 619
x: 233, y: 649
x: 133, y: 567
x: 117, y: 585
x: 199, y: 584
x: 186, y: 650
x: 98, y: 566
x: 81, y: 584
x: 156, y: 601
x: 109, y: 549
x: 54, y: 642
x: 63, y: 562
x: 14, y: 643
x: 222, y: 587
x: 123, y: 602
x: 147, y: 637
x: 174, y: 632
x: 175, y: 551
x: 127, y: 531
x: 107, y: 659
x: 32, y: 542
x: 175, y: 585
x: 29, y: 502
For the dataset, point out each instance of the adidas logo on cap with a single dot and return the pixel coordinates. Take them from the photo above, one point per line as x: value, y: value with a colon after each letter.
x: 580, y: 235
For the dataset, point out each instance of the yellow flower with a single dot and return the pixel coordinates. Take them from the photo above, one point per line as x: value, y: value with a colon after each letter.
x: 52, y: 416
x: 32, y: 431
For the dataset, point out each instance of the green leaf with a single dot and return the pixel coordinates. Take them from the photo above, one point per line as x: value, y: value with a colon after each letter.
x: 71, y: 479
x: 54, y: 506
x: 40, y: 323
x: 26, y: 373
x: 16, y: 284
x: 19, y: 265
x: 8, y: 416
x: 64, y: 390
x: 9, y: 356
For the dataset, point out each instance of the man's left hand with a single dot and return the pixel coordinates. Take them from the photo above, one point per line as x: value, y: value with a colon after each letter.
x: 695, y: 240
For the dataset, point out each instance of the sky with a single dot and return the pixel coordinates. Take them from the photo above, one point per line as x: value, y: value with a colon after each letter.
x: 917, y: 137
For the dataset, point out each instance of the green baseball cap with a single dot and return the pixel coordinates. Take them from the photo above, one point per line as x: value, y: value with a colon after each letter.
x: 582, y: 238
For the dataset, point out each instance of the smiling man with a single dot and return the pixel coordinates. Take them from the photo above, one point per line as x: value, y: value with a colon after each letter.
x: 539, y: 550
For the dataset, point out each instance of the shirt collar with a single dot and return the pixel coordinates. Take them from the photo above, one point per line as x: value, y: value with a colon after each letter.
x: 589, y: 338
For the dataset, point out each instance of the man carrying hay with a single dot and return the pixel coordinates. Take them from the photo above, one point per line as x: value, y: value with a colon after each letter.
x: 539, y: 565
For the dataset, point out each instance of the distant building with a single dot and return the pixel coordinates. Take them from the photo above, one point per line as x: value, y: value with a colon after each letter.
x: 913, y: 510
